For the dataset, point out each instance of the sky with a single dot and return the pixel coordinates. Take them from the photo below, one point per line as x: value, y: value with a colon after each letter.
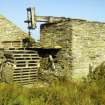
x: 15, y: 10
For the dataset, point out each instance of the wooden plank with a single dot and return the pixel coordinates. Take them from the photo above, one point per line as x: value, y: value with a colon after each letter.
x: 24, y: 67
x: 22, y: 47
x: 28, y: 68
x: 25, y: 76
x: 25, y: 54
x: 25, y: 73
x: 21, y: 79
x: 26, y: 63
x: 28, y: 59
x: 25, y: 70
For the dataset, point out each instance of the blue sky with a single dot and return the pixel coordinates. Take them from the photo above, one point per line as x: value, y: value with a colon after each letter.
x: 15, y: 10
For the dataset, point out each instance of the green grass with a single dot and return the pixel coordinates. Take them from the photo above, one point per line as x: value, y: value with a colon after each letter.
x: 91, y: 91
x: 58, y: 93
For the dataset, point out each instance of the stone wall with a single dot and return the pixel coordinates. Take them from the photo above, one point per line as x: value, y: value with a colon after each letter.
x: 82, y: 42
x: 55, y: 36
x: 9, y: 31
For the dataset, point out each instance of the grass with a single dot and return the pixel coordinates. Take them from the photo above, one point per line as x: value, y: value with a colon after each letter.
x: 91, y: 91
x: 58, y: 93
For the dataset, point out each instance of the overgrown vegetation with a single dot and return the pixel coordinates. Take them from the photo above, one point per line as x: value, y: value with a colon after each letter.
x: 60, y: 92
x: 97, y: 74
x: 28, y: 42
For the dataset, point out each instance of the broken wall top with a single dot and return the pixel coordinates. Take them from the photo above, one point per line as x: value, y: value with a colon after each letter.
x: 53, y: 34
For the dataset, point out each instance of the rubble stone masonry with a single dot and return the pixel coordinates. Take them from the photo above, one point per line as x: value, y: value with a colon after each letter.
x: 9, y: 31
x: 82, y: 42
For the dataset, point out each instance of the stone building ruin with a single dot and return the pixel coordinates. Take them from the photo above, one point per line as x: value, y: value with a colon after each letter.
x: 82, y: 44
x: 68, y: 48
